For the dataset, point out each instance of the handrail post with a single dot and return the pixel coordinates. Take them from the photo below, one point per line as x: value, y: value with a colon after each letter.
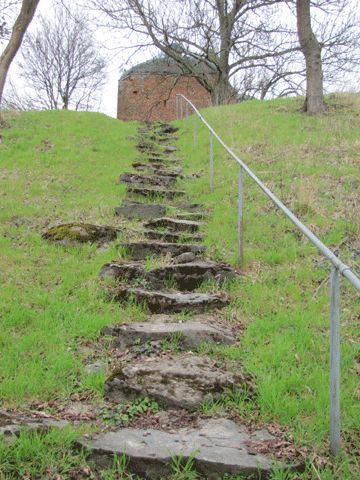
x: 240, y: 216
x: 181, y: 107
x: 187, y: 113
x: 211, y: 162
x: 194, y: 129
x: 335, y: 361
x: 177, y: 107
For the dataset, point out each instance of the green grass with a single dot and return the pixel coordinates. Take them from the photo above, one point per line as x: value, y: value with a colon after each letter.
x: 63, y: 166
x: 50, y: 297
x: 312, y: 164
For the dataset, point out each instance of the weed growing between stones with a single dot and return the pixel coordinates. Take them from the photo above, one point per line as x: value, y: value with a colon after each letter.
x: 122, y: 414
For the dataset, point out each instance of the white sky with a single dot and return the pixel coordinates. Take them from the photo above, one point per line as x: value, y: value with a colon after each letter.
x: 116, y: 57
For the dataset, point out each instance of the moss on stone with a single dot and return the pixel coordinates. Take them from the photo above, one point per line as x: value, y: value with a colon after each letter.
x: 80, y: 232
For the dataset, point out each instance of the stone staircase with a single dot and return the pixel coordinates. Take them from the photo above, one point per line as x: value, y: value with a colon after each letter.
x: 180, y: 380
x: 159, y: 360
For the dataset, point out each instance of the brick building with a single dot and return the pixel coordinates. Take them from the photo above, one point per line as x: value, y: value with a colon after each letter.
x: 147, y: 92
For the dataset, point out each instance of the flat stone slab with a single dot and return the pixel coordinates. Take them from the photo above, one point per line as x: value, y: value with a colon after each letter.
x: 192, y: 216
x: 191, y: 207
x: 173, y: 237
x: 174, y: 224
x: 184, y: 276
x: 154, y: 191
x: 218, y: 446
x: 184, y: 381
x: 12, y: 425
x: 170, y: 149
x: 69, y: 234
x: 142, y: 250
x: 164, y: 161
x: 156, y: 180
x: 140, y: 211
x: 169, y: 302
x: 166, y: 128
x: 158, y: 169
x: 189, y: 335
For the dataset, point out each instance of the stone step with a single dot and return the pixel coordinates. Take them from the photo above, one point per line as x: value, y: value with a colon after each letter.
x: 189, y: 335
x: 140, y: 211
x: 185, y: 276
x: 154, y: 191
x: 168, y: 149
x: 174, y: 225
x: 156, y: 180
x: 170, y: 302
x: 192, y: 216
x: 218, y: 447
x: 144, y: 146
x: 69, y: 234
x: 166, y: 128
x: 181, y: 381
x: 164, y: 161
x: 157, y: 170
x: 141, y: 250
x: 173, y: 237
x: 191, y: 207
x: 162, y: 138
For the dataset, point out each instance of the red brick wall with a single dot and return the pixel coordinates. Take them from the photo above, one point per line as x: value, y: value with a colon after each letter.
x: 152, y: 97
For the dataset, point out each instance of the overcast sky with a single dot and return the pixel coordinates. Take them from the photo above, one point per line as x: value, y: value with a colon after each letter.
x: 108, y: 103
x: 116, y: 56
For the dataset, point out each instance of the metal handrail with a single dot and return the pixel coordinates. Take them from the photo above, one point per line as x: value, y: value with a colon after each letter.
x: 338, y: 267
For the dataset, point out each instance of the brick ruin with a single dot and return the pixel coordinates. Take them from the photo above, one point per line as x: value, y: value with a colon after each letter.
x: 148, y: 91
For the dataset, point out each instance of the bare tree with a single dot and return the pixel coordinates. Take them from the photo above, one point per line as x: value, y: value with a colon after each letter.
x: 27, y: 11
x: 62, y: 63
x: 229, y: 36
x: 7, y: 8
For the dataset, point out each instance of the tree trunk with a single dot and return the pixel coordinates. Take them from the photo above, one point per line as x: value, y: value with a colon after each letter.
x: 311, y: 48
x: 222, y: 91
x: 21, y: 24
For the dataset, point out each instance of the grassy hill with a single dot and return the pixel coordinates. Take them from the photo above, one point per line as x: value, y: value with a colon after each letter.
x: 63, y: 166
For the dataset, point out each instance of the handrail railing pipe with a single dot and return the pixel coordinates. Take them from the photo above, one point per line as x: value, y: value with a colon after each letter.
x: 338, y: 268
x: 194, y: 129
x: 211, y: 166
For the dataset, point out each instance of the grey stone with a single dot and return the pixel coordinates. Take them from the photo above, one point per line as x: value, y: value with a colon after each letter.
x: 164, y: 161
x: 174, y: 224
x: 172, y: 237
x: 186, y: 276
x: 158, y: 169
x: 165, y: 302
x: 124, y: 271
x: 186, y: 257
x: 166, y: 128
x: 191, y: 207
x: 170, y: 149
x: 144, y: 146
x: 189, y: 276
x: 154, y: 191
x: 141, y: 250
x: 184, y: 381
x: 156, y: 180
x: 140, y: 211
x: 189, y: 334
x: 218, y: 446
x: 75, y: 233
x: 11, y: 425
x: 191, y: 216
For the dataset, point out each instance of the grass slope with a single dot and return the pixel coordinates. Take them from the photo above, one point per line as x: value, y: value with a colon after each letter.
x: 62, y: 166
x: 312, y: 164
x: 55, y: 167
